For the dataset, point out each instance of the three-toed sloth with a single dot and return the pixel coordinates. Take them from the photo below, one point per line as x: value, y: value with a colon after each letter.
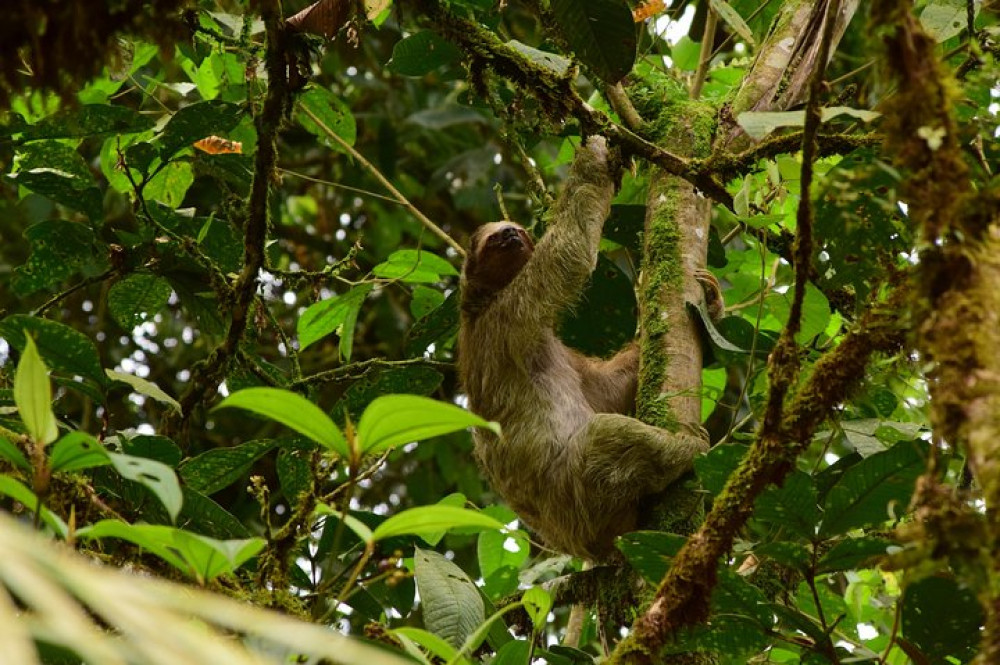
x: 570, y: 461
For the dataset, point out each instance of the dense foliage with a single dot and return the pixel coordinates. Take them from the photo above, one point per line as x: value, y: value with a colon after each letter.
x: 229, y: 300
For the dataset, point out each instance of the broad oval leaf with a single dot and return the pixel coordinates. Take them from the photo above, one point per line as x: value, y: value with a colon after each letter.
x: 76, y: 451
x: 332, y: 112
x: 144, y: 387
x: 33, y: 395
x: 293, y: 410
x: 359, y: 528
x: 421, y: 54
x: 159, y: 478
x: 431, y: 520
x: 326, y: 316
x: 537, y: 603
x: 393, y: 420
x: 137, y: 297
x: 863, y: 495
x: 63, y: 348
x: 452, y: 606
x: 216, y: 469
x: 601, y: 33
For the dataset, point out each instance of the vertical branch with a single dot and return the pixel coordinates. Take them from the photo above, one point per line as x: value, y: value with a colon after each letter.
x: 207, y: 374
x: 683, y: 596
x: 958, y: 301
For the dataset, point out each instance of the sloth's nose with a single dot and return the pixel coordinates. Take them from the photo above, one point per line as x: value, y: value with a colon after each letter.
x: 509, y: 233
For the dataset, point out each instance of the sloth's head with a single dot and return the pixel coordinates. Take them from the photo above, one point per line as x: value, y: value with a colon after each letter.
x: 497, y: 252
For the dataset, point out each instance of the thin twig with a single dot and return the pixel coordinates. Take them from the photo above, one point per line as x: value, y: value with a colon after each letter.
x: 73, y: 289
x: 707, y: 40
x: 371, y: 168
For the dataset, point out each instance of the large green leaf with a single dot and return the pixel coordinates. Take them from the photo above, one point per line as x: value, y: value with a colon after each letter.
x: 452, y: 606
x: 197, y: 121
x: 293, y: 410
x: 332, y: 112
x: 943, y: 618
x: 159, y: 478
x: 414, y: 380
x: 393, y: 420
x: 326, y: 316
x: 59, y: 249
x: 201, y: 557
x: 33, y: 396
x: 137, y: 298
x: 794, y: 505
x: 601, y: 33
x: 874, y: 490
x: 88, y: 120
x: 77, y: 451
x: 57, y: 171
x: 216, y: 469
x: 431, y: 520
x: 421, y: 54
x: 64, y: 349
x: 413, y: 266
x: 144, y: 387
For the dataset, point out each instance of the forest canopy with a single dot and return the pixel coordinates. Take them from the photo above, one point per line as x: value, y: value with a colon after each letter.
x: 233, y: 234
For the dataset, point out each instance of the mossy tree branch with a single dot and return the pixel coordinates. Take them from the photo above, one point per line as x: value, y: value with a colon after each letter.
x: 207, y: 374
x: 958, y: 301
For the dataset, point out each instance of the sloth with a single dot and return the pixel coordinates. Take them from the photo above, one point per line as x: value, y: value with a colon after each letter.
x: 570, y: 461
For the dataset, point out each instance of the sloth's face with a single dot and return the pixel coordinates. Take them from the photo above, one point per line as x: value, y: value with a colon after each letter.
x: 497, y: 253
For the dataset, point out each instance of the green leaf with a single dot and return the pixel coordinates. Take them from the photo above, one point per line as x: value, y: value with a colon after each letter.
x: 57, y: 171
x: 650, y: 552
x: 77, y: 451
x: 853, y: 553
x: 601, y: 33
x: 414, y: 267
x: 216, y: 469
x: 198, y: 556
x: 438, y: 327
x: 294, y: 473
x: 359, y: 528
x: 13, y: 454
x: 33, y: 396
x: 170, y: 184
x: 452, y: 606
x: 63, y: 348
x: 59, y: 249
x: 432, y: 643
x: 292, y: 410
x: 197, y: 121
x: 19, y: 492
x: 430, y: 520
x: 733, y: 19
x: 414, y: 380
x: 144, y: 387
x: 537, y: 603
x: 137, y: 298
x: 867, y: 491
x: 393, y: 420
x: 159, y: 478
x: 942, y: 618
x: 715, y: 467
x: 326, y: 316
x: 421, y: 54
x: 332, y: 112
x: 794, y: 505
x: 88, y: 120
x: 944, y: 19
